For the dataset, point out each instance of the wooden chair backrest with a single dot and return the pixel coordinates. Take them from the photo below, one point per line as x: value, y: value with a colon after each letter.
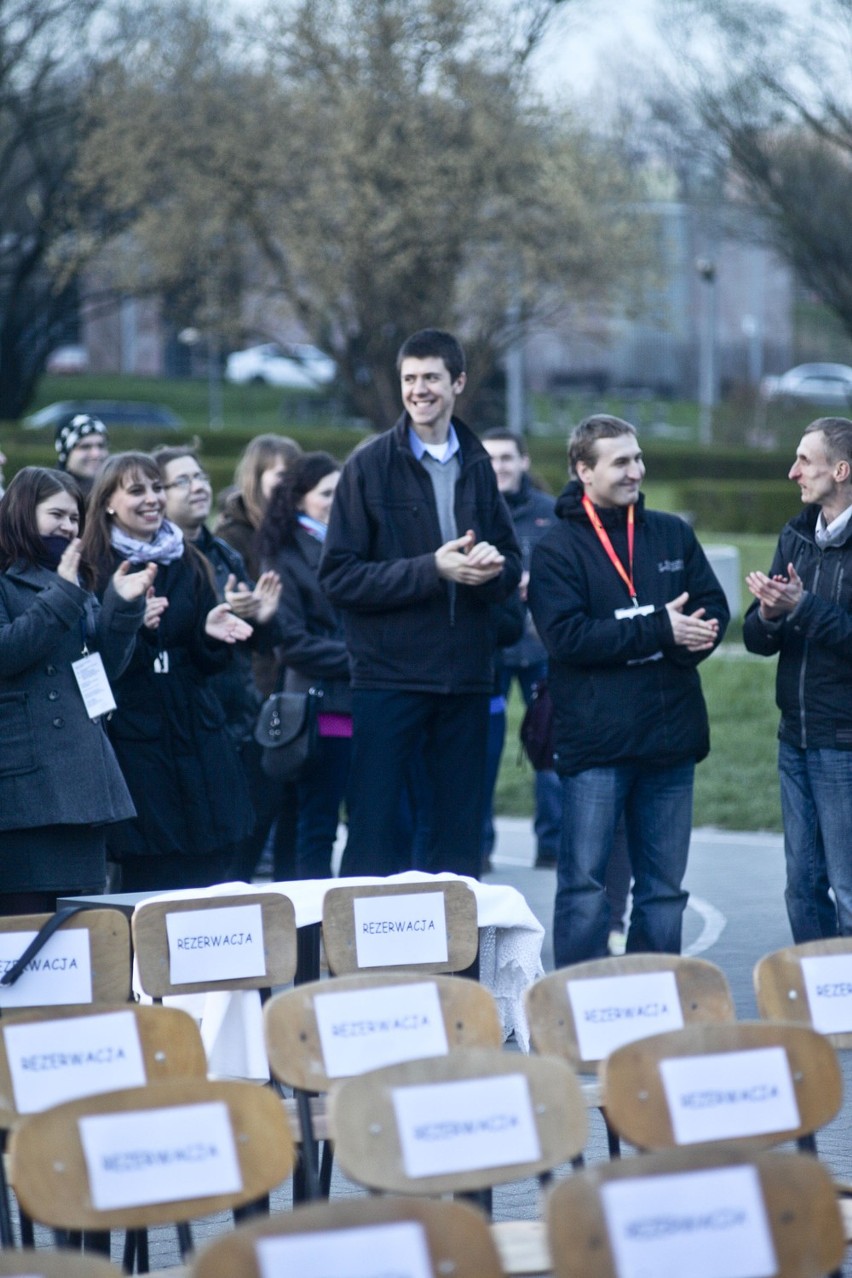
x: 151, y: 942
x: 293, y: 1043
x: 457, y: 1236
x: 702, y: 988
x: 338, y: 925
x: 109, y: 951
x: 53, y: 1264
x: 634, y: 1096
x: 170, y: 1041
x: 780, y: 989
x: 801, y: 1209
x: 49, y: 1171
x: 363, y: 1125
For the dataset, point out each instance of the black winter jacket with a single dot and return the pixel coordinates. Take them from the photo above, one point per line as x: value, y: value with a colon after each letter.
x: 813, y: 684
x: 533, y: 514
x: 622, y: 690
x: 404, y: 628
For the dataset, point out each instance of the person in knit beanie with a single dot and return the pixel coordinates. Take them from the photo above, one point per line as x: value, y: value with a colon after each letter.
x: 82, y: 445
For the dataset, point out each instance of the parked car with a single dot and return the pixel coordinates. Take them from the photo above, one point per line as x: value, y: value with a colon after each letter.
x: 113, y: 413
x: 814, y: 383
x: 297, y: 367
x: 66, y: 361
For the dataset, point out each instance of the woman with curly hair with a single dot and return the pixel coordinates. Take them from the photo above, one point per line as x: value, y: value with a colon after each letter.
x: 169, y: 733
x: 312, y: 647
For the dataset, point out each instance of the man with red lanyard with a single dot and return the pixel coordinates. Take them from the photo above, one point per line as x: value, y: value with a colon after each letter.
x: 627, y: 606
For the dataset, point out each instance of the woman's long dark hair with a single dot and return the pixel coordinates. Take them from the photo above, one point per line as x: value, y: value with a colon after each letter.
x: 20, y: 540
x: 96, y: 543
x: 282, y: 514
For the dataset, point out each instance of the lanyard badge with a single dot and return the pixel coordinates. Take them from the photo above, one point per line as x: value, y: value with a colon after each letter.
x: 626, y: 575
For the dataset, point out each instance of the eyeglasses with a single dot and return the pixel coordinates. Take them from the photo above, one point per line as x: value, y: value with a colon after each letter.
x: 185, y: 482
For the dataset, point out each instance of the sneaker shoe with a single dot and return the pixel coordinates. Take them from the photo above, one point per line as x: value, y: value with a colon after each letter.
x: 617, y: 943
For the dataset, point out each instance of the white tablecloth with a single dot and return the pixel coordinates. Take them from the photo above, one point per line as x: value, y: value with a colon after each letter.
x: 509, y: 961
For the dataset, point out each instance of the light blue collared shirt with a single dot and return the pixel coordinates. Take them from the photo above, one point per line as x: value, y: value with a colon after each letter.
x: 451, y: 447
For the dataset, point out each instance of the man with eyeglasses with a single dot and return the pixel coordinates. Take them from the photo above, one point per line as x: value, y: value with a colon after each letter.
x: 189, y: 499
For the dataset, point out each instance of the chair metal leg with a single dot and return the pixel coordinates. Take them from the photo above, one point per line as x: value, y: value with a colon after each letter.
x: 305, y: 1181
x: 184, y: 1234
x: 326, y: 1168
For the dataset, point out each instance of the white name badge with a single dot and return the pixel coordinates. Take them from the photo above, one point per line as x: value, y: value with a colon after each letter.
x: 466, y: 1125
x: 730, y: 1094
x: 366, y: 1029
x: 375, y: 1251
x: 60, y: 973
x: 94, y: 685
x: 55, y: 1061
x: 160, y: 1155
x: 612, y: 1010
x: 215, y: 945
x: 707, y: 1224
x: 828, y: 985
x: 409, y: 928
x: 635, y: 610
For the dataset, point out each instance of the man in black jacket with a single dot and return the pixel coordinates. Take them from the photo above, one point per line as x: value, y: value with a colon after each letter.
x: 627, y: 606
x: 803, y: 612
x: 419, y: 544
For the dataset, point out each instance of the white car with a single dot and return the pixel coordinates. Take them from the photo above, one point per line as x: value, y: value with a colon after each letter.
x: 298, y: 367
x: 815, y: 383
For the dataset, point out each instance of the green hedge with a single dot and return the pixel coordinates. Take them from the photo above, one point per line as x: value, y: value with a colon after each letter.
x: 726, y: 506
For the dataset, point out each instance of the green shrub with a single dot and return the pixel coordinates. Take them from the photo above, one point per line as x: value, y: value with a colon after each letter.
x: 738, y: 507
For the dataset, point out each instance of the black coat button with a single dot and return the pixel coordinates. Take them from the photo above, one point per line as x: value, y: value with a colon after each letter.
x: 53, y: 695
x: 51, y: 670
x: 59, y: 723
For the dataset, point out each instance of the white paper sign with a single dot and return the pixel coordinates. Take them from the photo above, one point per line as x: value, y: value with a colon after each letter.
x: 55, y: 1061
x: 730, y: 1094
x: 705, y: 1224
x: 463, y: 1126
x: 828, y: 985
x: 215, y: 945
x: 94, y: 685
x: 366, y: 1029
x: 612, y: 1010
x: 160, y: 1155
x: 375, y: 1251
x: 59, y: 974
x: 409, y: 928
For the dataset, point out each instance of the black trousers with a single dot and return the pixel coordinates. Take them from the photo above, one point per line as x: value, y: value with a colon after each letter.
x: 452, y: 731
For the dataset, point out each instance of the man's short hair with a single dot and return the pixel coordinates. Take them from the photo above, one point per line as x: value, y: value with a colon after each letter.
x: 502, y: 432
x: 163, y: 454
x: 837, y: 432
x: 582, y: 444
x: 434, y: 343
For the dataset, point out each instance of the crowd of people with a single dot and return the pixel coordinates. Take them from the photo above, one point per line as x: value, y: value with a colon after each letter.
x: 409, y: 586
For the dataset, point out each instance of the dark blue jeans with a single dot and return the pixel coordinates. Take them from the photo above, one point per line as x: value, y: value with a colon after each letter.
x: 321, y: 791
x: 816, y: 806
x: 387, y: 728
x: 657, y: 804
x: 548, y: 792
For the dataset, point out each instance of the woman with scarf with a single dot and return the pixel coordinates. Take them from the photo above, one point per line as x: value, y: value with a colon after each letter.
x: 60, y: 783
x: 192, y: 805
x: 312, y: 647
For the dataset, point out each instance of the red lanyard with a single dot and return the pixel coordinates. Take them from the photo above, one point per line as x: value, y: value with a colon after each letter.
x: 603, y: 537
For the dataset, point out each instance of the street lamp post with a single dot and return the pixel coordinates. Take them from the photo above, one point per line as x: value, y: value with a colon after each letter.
x: 707, y: 352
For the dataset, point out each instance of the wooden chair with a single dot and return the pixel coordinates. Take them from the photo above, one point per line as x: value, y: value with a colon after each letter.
x: 340, y: 934
x: 701, y: 993
x: 638, y: 1106
x: 297, y: 1057
x: 371, y: 1137
x: 154, y: 960
x: 106, y: 949
x: 456, y: 1236
x: 169, y: 1047
x: 28, y: 1263
x: 798, y: 1205
x: 781, y: 988
x: 242, y: 1134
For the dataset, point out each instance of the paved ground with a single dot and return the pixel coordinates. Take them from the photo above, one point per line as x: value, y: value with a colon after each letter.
x: 736, y: 914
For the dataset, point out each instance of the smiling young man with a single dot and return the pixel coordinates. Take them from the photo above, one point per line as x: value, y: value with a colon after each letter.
x: 627, y: 606
x: 803, y: 612
x: 419, y: 546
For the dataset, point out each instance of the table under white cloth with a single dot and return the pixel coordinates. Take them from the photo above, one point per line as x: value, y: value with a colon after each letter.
x: 510, y: 939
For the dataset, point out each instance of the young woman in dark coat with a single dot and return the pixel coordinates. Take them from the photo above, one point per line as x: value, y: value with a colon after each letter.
x: 60, y: 783
x: 312, y: 647
x: 169, y: 732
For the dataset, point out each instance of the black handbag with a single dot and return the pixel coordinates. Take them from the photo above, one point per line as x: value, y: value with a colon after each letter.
x: 536, y: 732
x: 286, y: 728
